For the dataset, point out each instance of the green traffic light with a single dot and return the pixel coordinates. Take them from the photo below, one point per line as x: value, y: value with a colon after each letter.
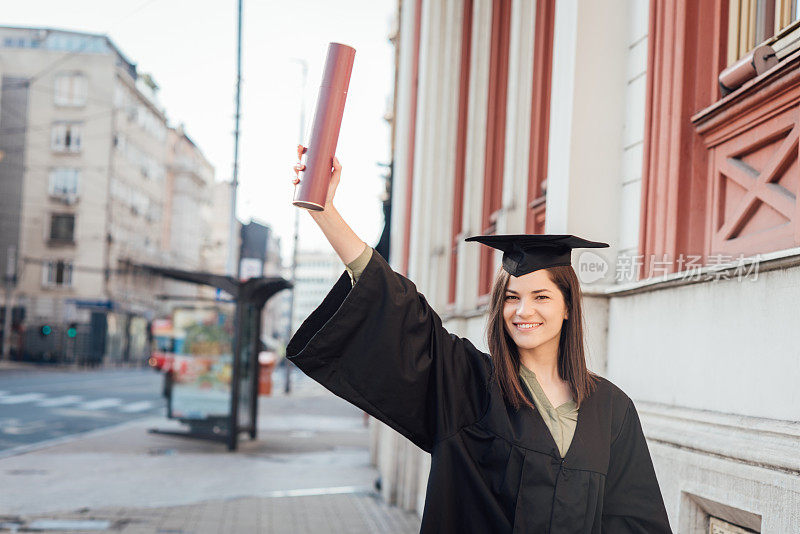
x: 46, y: 330
x: 72, y: 332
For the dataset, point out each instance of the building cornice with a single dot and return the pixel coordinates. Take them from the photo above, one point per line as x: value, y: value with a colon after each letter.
x: 757, y: 441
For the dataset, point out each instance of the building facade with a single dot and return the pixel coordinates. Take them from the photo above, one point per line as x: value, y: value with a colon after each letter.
x: 189, y: 182
x: 88, y: 164
x: 315, y: 273
x: 606, y: 120
x: 188, y: 196
x: 216, y: 250
x: 276, y: 310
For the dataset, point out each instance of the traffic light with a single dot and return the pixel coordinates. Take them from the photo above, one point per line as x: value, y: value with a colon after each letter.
x: 72, y: 330
x: 46, y: 330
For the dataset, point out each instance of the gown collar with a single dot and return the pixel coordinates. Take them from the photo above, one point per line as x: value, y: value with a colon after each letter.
x: 530, y: 431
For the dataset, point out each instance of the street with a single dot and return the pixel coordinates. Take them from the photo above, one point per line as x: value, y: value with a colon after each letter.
x: 37, y: 405
x: 79, y: 456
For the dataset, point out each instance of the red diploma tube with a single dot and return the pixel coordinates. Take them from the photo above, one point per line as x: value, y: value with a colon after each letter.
x: 313, y: 186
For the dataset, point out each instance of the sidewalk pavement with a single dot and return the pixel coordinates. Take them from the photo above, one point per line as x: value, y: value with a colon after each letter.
x: 308, y: 471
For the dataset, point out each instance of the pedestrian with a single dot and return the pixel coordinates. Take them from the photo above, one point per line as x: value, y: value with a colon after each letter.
x: 523, y: 439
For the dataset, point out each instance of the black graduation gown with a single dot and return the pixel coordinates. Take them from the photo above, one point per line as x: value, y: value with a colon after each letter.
x: 381, y: 346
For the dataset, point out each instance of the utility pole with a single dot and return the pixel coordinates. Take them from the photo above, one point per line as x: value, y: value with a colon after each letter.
x: 293, y: 276
x: 234, y: 265
x: 234, y: 251
x: 10, y: 280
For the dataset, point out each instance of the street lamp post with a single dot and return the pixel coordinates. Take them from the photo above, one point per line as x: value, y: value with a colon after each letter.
x: 234, y: 261
x: 293, y: 276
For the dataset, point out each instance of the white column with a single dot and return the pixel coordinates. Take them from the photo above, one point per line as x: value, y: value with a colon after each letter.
x: 561, y: 103
x: 587, y: 105
x: 469, y: 253
x: 426, y: 105
x: 443, y: 160
x: 587, y: 110
x: 633, y: 136
x: 435, y: 149
x: 405, y: 89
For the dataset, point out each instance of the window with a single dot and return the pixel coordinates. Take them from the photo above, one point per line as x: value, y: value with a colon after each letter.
x: 21, y: 42
x: 71, y: 89
x: 751, y: 22
x: 66, y: 137
x: 461, y: 147
x: 140, y: 203
x: 57, y: 273
x: 495, y: 136
x: 718, y: 526
x: 120, y: 142
x: 149, y: 122
x: 62, y: 228
x: 120, y: 96
x: 732, y: 165
x: 148, y: 166
x: 120, y: 191
x: 540, y: 116
x: 76, y: 43
x: 153, y: 212
x: 64, y: 182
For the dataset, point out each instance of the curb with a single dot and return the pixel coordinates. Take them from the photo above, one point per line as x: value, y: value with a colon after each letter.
x: 33, y: 447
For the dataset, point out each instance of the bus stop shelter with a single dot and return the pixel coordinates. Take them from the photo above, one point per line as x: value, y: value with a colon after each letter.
x: 216, y: 392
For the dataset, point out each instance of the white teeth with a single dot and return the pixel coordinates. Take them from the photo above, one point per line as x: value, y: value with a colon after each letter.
x: 527, y: 325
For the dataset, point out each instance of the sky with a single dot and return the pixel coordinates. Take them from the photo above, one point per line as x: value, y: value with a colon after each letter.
x: 189, y: 47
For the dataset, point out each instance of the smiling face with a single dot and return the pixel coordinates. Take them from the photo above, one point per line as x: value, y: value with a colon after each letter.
x: 533, y: 310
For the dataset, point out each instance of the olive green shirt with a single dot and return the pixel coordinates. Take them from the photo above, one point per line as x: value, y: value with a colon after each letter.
x: 560, y: 420
x: 356, y: 267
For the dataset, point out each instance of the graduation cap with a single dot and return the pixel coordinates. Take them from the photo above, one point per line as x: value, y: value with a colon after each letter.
x: 525, y: 253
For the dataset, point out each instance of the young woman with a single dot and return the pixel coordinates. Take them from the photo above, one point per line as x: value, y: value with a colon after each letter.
x: 524, y: 439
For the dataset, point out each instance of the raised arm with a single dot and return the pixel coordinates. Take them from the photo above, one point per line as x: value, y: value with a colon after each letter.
x: 341, y: 237
x: 379, y: 345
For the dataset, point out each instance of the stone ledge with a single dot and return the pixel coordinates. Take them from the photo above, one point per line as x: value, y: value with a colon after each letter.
x: 768, y: 443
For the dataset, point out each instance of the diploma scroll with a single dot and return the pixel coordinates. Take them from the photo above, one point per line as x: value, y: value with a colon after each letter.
x: 314, y: 180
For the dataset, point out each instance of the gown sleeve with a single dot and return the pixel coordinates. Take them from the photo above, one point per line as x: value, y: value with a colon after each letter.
x: 379, y: 345
x: 632, y: 502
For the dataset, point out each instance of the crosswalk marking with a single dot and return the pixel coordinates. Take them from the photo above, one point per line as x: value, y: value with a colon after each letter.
x: 136, y: 407
x: 100, y: 404
x: 59, y: 401
x: 77, y: 402
x: 19, y: 399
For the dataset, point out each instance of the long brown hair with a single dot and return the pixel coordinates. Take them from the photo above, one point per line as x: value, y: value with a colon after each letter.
x: 571, y: 352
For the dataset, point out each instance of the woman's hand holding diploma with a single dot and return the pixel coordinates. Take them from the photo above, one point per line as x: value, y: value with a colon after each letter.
x: 341, y: 237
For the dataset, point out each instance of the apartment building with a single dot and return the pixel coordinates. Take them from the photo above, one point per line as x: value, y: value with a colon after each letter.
x: 606, y: 120
x: 188, y: 197
x: 216, y: 250
x: 84, y: 192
